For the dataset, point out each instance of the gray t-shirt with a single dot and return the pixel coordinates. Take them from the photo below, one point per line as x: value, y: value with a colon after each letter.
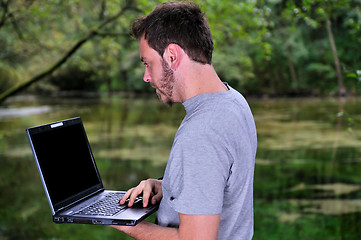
x: 211, y: 164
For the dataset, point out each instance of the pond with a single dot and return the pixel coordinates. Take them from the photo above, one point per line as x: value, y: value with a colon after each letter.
x: 307, y: 177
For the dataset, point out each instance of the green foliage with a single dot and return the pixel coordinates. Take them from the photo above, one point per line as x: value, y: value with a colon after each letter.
x: 264, y: 46
x: 356, y: 75
x: 8, y: 76
x: 236, y: 38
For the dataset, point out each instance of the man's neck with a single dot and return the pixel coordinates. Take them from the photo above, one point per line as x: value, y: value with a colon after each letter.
x: 198, y: 79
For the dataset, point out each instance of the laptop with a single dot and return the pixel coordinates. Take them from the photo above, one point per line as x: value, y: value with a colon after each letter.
x: 71, y: 179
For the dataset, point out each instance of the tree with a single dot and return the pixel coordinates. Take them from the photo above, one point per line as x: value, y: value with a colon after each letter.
x: 94, y: 31
x: 239, y: 30
x: 265, y: 46
x: 316, y: 12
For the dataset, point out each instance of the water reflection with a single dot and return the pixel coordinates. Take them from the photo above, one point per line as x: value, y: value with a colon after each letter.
x: 308, y: 166
x: 308, y: 170
x: 13, y: 112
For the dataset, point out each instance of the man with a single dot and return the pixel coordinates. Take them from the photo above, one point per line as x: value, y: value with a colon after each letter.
x: 207, y: 189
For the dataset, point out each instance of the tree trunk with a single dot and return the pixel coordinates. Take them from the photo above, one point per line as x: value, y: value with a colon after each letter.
x: 291, y: 67
x: 341, y: 88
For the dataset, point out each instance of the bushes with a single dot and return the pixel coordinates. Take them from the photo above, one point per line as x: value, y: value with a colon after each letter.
x: 74, y: 79
x: 8, y: 77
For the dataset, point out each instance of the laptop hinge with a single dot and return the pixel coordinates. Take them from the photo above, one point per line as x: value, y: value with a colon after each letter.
x: 79, y: 200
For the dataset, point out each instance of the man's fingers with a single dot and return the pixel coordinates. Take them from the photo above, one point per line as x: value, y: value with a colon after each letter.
x: 147, y: 193
x: 125, y: 196
x: 156, y: 198
x: 136, y: 192
x: 133, y: 196
x: 146, y: 187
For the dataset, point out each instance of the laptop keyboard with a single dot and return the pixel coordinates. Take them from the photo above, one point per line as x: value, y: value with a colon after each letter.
x: 107, y: 206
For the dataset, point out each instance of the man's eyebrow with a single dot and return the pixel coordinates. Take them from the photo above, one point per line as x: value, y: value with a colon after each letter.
x: 142, y: 59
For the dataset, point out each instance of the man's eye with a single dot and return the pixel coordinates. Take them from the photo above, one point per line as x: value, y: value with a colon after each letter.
x: 146, y: 64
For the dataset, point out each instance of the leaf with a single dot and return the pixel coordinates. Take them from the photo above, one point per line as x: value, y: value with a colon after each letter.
x: 351, y: 75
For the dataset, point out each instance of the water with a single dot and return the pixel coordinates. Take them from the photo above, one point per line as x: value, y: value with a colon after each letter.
x: 307, y: 177
x: 308, y: 172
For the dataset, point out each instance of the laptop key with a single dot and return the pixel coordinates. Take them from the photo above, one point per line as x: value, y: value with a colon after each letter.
x: 108, y: 206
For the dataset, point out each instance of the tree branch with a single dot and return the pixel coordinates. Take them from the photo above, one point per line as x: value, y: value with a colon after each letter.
x: 93, y: 32
x: 16, y: 27
x: 5, y: 6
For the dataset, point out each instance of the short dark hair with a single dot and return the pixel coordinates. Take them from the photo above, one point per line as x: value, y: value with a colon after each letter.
x: 182, y: 23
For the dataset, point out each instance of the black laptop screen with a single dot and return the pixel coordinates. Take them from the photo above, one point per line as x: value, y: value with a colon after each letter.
x: 66, y: 161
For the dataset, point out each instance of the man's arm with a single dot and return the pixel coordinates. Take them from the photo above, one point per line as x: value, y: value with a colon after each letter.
x: 191, y: 227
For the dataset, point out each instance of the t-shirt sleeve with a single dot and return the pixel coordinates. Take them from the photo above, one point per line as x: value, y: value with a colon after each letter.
x: 197, y: 174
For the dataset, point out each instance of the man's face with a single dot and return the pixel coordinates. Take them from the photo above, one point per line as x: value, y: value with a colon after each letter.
x: 157, y: 73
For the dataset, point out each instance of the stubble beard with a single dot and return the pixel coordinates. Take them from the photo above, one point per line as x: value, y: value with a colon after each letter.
x: 166, y: 85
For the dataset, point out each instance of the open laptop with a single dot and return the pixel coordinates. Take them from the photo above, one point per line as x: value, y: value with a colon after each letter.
x: 71, y: 179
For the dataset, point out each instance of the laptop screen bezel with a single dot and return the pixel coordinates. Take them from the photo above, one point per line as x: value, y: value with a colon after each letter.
x: 55, y: 207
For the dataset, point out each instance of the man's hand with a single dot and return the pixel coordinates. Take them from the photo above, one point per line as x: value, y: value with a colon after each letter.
x: 151, y: 189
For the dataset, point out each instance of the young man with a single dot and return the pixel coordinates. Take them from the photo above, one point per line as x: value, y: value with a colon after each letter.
x: 207, y: 189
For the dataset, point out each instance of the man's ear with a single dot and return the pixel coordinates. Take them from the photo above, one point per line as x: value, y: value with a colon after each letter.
x: 173, y: 55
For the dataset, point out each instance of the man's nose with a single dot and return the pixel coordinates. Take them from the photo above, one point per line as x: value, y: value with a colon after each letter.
x: 146, y: 77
